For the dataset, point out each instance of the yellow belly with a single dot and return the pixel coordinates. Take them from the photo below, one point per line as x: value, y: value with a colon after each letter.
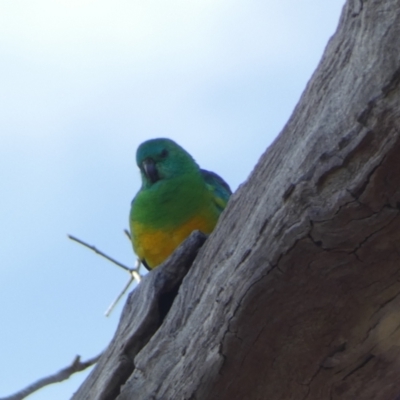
x: 155, y: 246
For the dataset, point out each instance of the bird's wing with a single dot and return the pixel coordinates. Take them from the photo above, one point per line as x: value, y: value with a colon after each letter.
x: 219, y: 188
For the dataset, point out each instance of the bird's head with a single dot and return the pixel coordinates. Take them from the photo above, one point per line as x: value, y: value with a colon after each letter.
x: 161, y: 159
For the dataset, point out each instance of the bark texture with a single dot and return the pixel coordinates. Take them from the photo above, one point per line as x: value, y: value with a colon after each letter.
x: 296, y: 294
x: 143, y: 314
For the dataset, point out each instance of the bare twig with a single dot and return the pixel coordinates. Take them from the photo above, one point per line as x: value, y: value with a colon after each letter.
x: 99, y: 252
x: 115, y: 302
x: 127, y: 233
x: 134, y: 273
x: 76, y: 366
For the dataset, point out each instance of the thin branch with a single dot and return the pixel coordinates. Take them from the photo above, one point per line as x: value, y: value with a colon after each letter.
x: 76, y: 366
x: 134, y: 273
x: 127, y: 233
x: 115, y: 302
x: 100, y: 253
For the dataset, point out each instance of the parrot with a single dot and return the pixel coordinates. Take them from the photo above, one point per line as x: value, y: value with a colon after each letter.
x: 176, y: 197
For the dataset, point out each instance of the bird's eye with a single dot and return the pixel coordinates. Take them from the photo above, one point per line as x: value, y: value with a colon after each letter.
x: 164, y: 153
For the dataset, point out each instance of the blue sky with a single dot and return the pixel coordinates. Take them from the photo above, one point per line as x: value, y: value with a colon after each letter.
x: 83, y: 83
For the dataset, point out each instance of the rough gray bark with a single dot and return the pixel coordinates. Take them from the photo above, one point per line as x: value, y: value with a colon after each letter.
x: 143, y: 314
x: 296, y: 295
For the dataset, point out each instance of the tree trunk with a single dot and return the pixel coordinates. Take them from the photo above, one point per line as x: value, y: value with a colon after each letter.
x: 296, y: 295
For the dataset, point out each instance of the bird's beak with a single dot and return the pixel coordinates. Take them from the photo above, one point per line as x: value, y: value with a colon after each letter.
x: 150, y: 170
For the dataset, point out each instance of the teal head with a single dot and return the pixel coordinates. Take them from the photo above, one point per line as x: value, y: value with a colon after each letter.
x: 163, y: 159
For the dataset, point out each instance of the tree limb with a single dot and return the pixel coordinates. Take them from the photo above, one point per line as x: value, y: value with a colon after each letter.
x: 76, y: 366
x: 143, y: 314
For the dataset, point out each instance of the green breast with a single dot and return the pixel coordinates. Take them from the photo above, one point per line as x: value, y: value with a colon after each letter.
x: 169, y: 203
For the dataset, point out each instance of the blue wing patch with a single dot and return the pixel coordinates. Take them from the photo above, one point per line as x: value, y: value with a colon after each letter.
x: 219, y: 188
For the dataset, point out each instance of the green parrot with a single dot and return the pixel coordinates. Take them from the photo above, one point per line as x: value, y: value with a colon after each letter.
x: 176, y: 198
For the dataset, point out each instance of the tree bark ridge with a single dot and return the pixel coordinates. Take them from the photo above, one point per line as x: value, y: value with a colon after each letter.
x: 142, y: 315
